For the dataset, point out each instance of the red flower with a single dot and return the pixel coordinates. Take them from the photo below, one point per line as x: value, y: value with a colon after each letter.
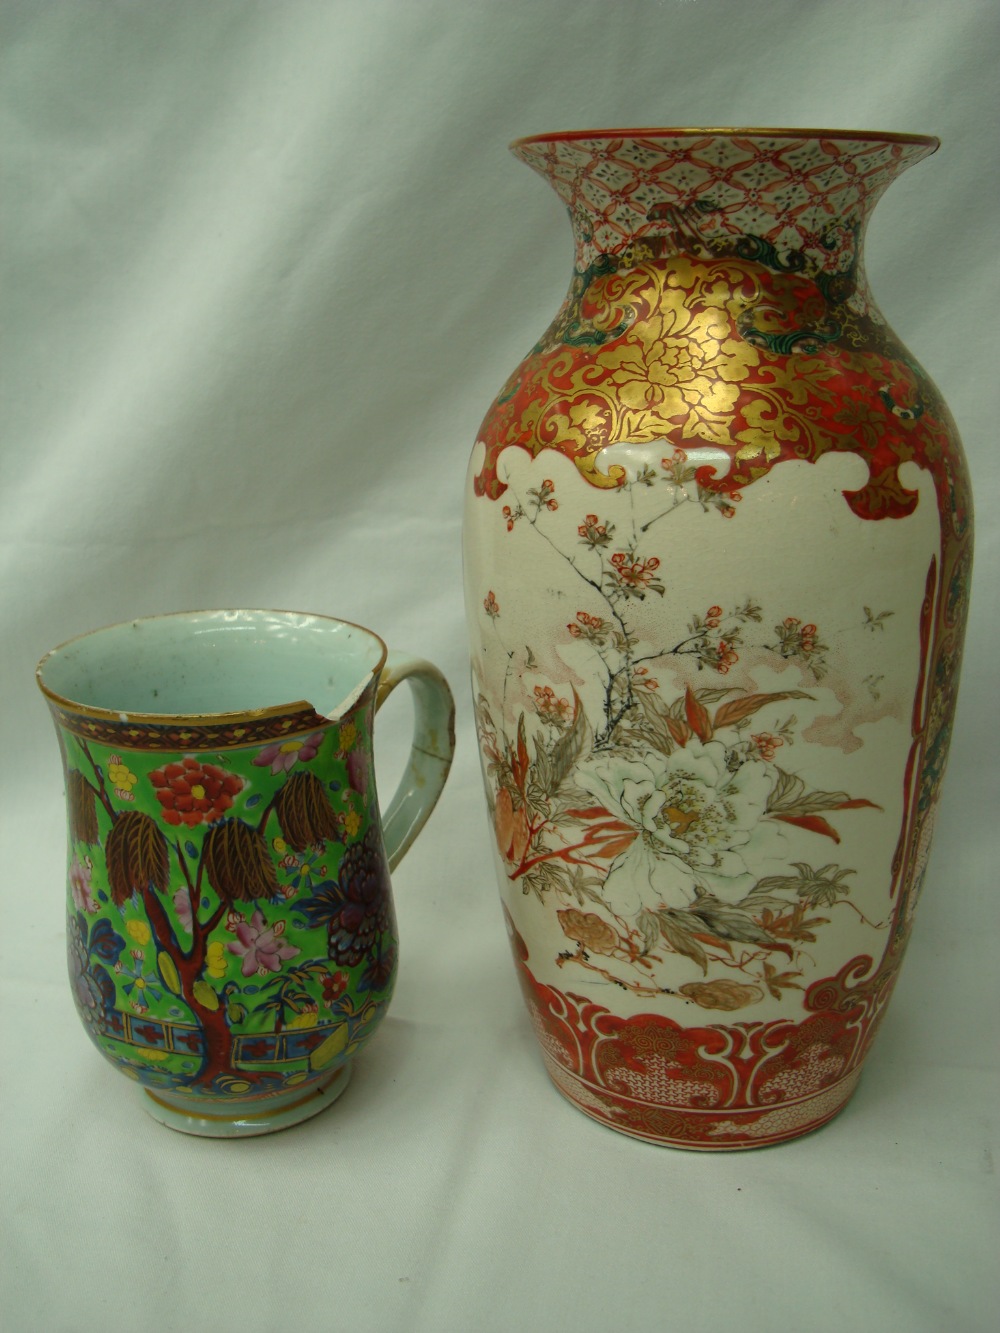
x: 635, y: 574
x: 766, y: 744
x: 194, y: 793
x: 725, y: 658
x: 593, y: 532
x: 641, y: 676
x: 334, y: 986
x: 549, y: 707
x: 588, y: 626
x: 491, y: 605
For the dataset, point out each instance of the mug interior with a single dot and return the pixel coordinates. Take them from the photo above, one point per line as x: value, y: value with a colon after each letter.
x: 212, y: 662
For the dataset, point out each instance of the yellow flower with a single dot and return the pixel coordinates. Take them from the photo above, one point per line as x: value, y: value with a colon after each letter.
x: 307, y: 1019
x: 139, y: 931
x: 120, y: 776
x: 348, y: 735
x: 352, y: 822
x: 216, y: 962
x: 280, y: 846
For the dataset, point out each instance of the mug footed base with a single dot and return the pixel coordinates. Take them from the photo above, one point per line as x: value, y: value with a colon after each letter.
x: 240, y: 1120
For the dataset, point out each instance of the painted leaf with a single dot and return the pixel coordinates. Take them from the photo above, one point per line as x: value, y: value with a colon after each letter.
x: 237, y: 863
x: 737, y: 709
x: 729, y: 923
x: 680, y: 731
x: 305, y: 813
x: 570, y: 745
x: 520, y: 761
x: 656, y: 728
x: 697, y: 716
x: 609, y: 850
x: 168, y: 971
x: 137, y: 856
x: 790, y: 796
x: 327, y: 1051
x: 814, y: 823
x: 676, y: 930
x: 324, y: 905
x: 649, y: 927
x: 106, y: 942
x: 205, y: 995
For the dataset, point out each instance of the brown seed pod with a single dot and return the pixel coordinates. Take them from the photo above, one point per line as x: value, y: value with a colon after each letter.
x: 304, y: 813
x: 237, y: 863
x: 82, y: 801
x: 137, y: 855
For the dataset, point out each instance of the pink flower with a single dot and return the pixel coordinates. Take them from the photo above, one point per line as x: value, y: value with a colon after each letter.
x: 357, y: 770
x: 79, y: 883
x: 259, y: 947
x: 282, y: 755
x: 182, y: 906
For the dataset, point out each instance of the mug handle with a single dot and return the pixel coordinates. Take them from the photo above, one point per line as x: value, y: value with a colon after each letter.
x: 430, y: 755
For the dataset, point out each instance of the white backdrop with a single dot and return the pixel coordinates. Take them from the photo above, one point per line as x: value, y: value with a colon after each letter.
x: 266, y: 264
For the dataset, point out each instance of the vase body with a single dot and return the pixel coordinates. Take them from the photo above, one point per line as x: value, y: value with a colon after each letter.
x: 717, y: 550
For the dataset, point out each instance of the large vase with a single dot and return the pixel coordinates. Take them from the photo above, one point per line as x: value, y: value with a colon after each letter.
x: 717, y: 546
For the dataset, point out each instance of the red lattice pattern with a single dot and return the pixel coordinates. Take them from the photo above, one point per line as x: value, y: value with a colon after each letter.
x: 788, y: 189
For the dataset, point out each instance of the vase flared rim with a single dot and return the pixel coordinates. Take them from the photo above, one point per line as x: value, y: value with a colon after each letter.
x: 929, y: 141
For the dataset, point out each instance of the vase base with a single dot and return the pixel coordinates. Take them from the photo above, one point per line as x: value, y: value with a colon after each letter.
x: 240, y: 1120
x: 726, y: 1130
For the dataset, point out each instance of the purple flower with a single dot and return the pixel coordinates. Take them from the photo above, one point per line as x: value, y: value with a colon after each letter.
x: 282, y: 755
x: 259, y: 947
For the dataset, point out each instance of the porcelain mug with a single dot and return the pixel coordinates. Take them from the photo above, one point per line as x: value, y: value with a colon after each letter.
x: 231, y: 935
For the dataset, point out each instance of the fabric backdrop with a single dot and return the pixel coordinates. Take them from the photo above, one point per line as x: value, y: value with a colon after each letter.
x: 266, y: 265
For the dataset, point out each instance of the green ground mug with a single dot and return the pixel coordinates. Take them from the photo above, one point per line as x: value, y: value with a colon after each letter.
x: 231, y: 935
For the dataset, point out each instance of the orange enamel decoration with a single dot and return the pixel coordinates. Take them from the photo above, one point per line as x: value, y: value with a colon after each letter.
x: 718, y: 540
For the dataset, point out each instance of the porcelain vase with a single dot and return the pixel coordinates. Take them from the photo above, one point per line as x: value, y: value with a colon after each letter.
x: 717, y: 552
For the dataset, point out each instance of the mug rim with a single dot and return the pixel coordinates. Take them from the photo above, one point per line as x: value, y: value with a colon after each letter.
x: 290, y: 706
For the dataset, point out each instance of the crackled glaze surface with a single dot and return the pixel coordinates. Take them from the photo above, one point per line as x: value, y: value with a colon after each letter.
x: 718, y: 535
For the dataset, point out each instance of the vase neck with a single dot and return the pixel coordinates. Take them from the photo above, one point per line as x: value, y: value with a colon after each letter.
x: 802, y: 197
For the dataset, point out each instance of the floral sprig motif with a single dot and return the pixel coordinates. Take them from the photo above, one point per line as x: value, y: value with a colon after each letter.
x: 801, y: 642
x: 635, y: 577
x: 550, y: 708
x: 593, y: 533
